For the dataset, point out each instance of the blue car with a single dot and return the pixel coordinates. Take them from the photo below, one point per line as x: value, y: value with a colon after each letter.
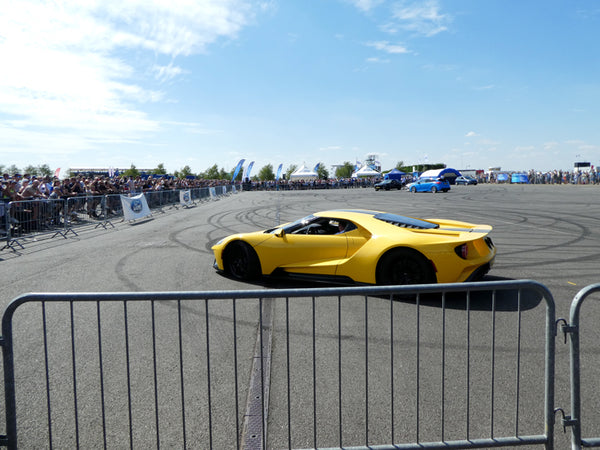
x: 465, y: 180
x: 429, y: 185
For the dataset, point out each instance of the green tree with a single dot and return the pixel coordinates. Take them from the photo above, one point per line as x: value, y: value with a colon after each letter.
x: 400, y: 165
x: 424, y: 167
x: 322, y: 172
x: 212, y: 173
x: 13, y: 169
x: 45, y: 171
x: 290, y: 170
x: 223, y: 175
x: 160, y: 170
x: 132, y: 172
x: 186, y: 171
x: 266, y: 173
x: 31, y: 170
x: 345, y: 170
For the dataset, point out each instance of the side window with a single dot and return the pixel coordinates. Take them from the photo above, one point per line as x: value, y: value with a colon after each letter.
x: 339, y: 226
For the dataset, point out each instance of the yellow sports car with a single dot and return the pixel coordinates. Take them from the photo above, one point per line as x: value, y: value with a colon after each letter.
x: 362, y: 247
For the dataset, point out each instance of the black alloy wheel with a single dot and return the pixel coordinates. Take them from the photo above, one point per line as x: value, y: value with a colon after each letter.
x: 404, y: 266
x: 241, y: 262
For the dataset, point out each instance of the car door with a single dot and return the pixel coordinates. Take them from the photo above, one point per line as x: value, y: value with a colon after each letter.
x: 302, y: 251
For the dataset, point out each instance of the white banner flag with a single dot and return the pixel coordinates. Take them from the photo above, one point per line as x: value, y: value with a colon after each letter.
x: 135, y: 207
x: 185, y: 198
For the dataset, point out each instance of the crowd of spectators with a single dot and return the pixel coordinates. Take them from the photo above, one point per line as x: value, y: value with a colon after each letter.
x: 27, y: 187
x: 29, y: 202
x: 564, y: 177
x: 533, y: 177
x: 38, y: 202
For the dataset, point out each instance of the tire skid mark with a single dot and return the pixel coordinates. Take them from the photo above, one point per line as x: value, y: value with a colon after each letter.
x: 173, y: 237
x: 120, y: 271
x: 579, y: 236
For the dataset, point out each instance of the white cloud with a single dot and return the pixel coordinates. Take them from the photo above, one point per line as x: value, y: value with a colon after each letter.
x: 387, y: 47
x: 365, y: 5
x: 75, y: 71
x: 422, y: 18
x: 376, y: 60
x: 471, y: 134
x: 166, y: 73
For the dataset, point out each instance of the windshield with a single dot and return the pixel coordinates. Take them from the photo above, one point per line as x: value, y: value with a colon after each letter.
x: 298, y: 224
x: 316, y: 225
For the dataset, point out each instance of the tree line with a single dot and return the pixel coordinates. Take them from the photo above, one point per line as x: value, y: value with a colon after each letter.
x: 266, y: 173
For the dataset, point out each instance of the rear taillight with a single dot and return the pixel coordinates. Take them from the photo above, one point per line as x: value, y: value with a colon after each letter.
x: 462, y: 251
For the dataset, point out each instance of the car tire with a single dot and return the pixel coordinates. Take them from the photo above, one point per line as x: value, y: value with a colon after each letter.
x: 403, y: 266
x: 433, y: 189
x: 413, y: 190
x: 241, y: 261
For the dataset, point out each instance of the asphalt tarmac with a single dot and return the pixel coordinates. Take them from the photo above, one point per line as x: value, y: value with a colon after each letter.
x: 549, y: 234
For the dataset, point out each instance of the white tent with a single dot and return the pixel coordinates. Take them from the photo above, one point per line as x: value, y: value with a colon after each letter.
x: 440, y: 173
x: 364, y: 172
x: 304, y: 173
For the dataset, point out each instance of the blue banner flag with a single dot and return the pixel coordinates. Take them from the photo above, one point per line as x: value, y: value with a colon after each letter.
x: 316, y: 167
x: 237, y: 169
x: 278, y: 172
x: 247, y: 171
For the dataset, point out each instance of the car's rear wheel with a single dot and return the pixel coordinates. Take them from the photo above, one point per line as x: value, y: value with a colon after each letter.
x: 241, y: 261
x: 433, y: 189
x: 413, y: 189
x: 404, y: 266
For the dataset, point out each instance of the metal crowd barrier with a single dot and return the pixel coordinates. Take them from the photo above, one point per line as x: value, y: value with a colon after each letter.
x: 359, y: 367
x: 49, y: 218
x: 573, y: 331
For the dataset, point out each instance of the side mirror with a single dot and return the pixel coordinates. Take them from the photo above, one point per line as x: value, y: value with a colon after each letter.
x: 280, y: 233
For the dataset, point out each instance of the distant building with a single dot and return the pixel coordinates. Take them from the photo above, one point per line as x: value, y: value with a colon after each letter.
x: 582, y: 167
x: 372, y: 162
x: 106, y: 172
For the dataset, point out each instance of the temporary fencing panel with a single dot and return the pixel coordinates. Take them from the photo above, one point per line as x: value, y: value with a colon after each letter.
x: 20, y: 220
x: 4, y: 225
x: 40, y: 216
x: 430, y: 366
x: 580, y: 413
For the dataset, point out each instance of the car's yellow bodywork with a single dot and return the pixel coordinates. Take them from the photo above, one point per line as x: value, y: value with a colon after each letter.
x: 355, y: 253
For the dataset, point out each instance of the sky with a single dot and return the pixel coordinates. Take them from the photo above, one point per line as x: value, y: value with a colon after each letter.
x: 472, y: 84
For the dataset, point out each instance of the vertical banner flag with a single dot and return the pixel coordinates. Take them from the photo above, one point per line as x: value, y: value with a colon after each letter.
x: 237, y: 169
x: 185, y: 197
x: 135, y: 207
x: 278, y: 172
x: 56, y: 173
x: 247, y: 171
x: 316, y: 167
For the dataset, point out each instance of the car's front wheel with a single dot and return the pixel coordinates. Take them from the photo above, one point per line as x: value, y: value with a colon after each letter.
x: 413, y: 189
x: 241, y: 261
x: 404, y: 266
x: 433, y: 189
